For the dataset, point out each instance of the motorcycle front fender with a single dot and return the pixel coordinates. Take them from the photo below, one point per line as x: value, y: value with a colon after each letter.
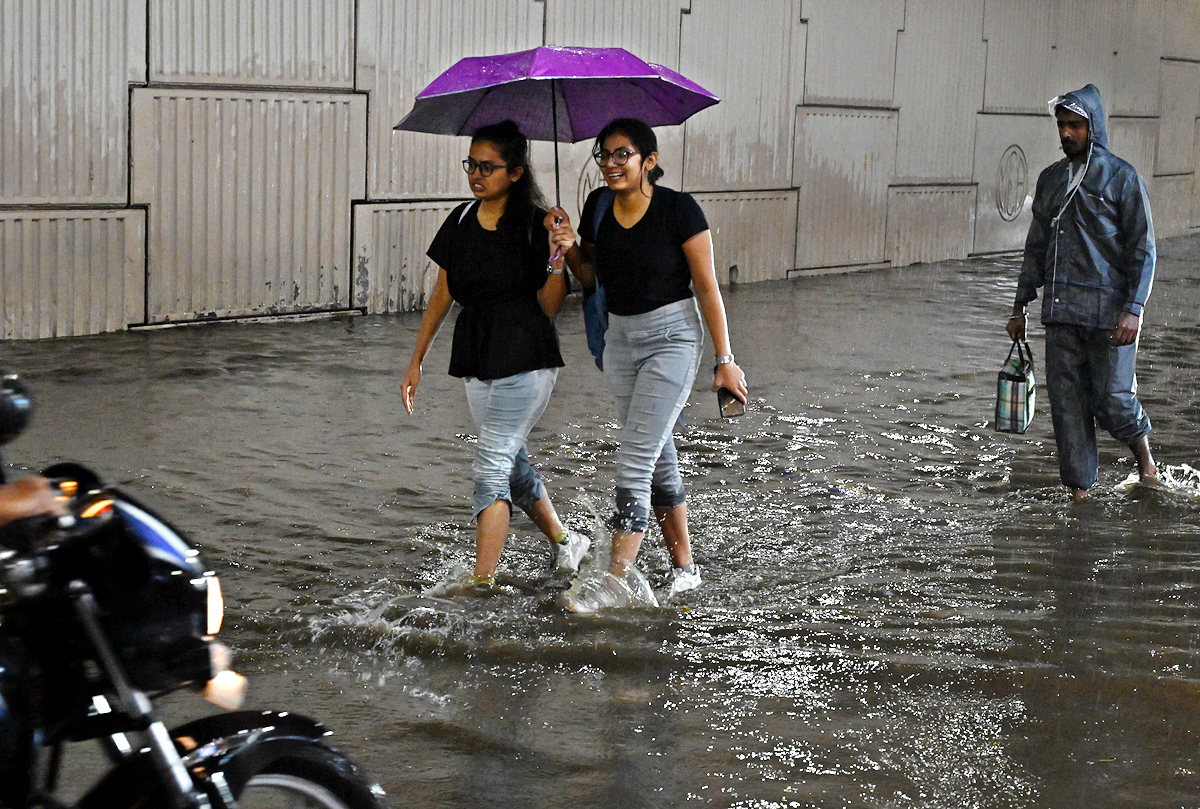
x: 224, y: 752
x: 234, y: 731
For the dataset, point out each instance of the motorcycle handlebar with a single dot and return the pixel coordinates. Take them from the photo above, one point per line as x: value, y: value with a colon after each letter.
x: 25, y: 565
x: 27, y: 544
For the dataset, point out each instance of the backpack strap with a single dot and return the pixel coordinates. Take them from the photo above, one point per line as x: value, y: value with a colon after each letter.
x: 595, y: 304
x: 466, y: 208
x: 602, y: 205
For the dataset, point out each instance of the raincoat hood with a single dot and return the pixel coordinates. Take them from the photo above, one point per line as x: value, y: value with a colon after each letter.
x: 1086, y: 101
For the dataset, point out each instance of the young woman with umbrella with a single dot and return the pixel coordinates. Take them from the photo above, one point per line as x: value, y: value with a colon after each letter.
x: 492, y: 258
x: 651, y: 248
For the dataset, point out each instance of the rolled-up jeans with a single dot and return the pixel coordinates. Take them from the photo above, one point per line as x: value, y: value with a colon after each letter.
x: 504, y: 411
x: 650, y: 363
x: 1090, y: 382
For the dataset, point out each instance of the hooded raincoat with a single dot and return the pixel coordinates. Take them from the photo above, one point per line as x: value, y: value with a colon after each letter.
x: 1090, y: 246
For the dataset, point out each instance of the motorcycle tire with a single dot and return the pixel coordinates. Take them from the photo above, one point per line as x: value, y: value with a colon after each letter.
x: 316, y: 779
x: 260, y: 760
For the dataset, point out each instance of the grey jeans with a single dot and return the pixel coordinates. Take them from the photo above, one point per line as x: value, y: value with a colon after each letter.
x: 650, y: 363
x: 504, y: 411
x: 1090, y: 382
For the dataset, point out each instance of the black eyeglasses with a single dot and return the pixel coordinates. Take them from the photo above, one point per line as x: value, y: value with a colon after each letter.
x: 485, y: 168
x: 619, y: 158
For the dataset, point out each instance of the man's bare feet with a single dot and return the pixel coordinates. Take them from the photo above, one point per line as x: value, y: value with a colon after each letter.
x: 1147, y: 469
x: 1079, y: 495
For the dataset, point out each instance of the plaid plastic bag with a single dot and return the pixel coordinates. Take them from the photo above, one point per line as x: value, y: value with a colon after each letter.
x: 1015, y: 390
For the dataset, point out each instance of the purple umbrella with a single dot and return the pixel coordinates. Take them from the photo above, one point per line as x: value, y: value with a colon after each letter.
x: 554, y: 93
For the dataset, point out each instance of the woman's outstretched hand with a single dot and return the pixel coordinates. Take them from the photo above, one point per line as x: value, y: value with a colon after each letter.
x: 408, y: 388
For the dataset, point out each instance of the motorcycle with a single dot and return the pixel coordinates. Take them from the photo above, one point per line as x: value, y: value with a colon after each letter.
x: 102, y: 611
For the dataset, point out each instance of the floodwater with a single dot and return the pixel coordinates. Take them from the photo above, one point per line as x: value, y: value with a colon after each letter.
x: 900, y: 606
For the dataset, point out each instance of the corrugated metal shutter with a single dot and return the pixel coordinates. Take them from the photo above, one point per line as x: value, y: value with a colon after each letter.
x: 64, y: 99
x: 929, y: 223
x: 851, y: 56
x: 1137, y: 40
x: 753, y: 231
x: 1180, y: 93
x: 1010, y: 152
x: 745, y: 141
x: 403, y: 46
x: 940, y: 64
x: 844, y: 163
x: 249, y: 197
x: 1019, y: 34
x: 298, y: 43
x: 391, y: 271
x: 68, y: 273
x: 646, y: 28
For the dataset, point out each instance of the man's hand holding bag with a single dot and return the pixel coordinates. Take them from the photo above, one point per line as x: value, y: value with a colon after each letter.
x: 1015, y: 390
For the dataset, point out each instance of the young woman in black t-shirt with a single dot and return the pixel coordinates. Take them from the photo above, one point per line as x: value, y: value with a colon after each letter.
x: 652, y: 250
x: 492, y: 258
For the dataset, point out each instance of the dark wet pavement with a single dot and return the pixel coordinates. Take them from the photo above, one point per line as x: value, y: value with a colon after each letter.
x: 900, y: 606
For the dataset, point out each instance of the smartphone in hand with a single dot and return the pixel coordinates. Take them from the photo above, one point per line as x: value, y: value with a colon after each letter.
x: 729, y: 405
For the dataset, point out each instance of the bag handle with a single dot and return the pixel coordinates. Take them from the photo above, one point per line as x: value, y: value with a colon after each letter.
x: 1016, y: 346
x: 1024, y: 352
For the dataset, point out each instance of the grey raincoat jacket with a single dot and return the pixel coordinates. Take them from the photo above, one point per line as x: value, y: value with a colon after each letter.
x: 1092, y: 248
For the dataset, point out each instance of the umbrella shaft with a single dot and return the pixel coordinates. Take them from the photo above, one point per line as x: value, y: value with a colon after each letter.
x: 554, y: 121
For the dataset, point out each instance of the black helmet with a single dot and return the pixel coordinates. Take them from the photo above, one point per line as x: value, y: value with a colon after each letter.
x: 15, y: 406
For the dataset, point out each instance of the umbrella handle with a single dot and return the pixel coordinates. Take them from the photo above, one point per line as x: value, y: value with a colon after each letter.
x: 558, y: 251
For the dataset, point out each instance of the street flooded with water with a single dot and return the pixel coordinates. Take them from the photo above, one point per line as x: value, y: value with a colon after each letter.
x: 901, y: 608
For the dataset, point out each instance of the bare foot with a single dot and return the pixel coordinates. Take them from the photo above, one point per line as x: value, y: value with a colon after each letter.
x: 1147, y: 469
x: 1079, y: 495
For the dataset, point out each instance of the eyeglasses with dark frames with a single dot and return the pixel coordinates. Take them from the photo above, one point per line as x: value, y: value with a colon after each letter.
x: 485, y: 168
x: 619, y: 158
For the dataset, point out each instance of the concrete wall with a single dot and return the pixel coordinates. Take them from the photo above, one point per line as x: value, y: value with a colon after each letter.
x: 182, y: 160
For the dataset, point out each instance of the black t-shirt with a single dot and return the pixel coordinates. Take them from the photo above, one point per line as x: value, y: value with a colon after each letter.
x: 496, y: 275
x: 643, y: 267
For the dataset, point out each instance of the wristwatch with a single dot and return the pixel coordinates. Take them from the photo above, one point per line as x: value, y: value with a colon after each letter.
x: 722, y: 359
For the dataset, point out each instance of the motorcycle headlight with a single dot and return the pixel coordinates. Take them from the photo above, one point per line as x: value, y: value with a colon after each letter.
x: 216, y: 604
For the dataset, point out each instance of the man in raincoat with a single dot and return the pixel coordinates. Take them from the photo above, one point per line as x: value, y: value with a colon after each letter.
x: 1091, y: 249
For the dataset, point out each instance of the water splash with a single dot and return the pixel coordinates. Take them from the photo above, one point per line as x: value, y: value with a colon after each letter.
x: 591, y: 589
x: 384, y: 622
x: 1182, y: 481
x: 458, y: 580
x: 600, y: 553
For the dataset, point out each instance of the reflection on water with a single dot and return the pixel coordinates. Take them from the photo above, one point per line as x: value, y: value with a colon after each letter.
x: 900, y: 607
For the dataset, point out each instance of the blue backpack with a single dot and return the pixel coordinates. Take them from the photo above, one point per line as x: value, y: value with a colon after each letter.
x: 595, y: 305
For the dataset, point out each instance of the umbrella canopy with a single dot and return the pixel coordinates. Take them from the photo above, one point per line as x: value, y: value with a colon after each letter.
x: 554, y: 93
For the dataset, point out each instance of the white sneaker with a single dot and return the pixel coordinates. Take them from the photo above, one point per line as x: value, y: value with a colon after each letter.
x: 568, y: 555
x: 683, y: 579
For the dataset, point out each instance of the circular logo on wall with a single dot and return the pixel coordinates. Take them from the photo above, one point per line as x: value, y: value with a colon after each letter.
x: 1012, y: 183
